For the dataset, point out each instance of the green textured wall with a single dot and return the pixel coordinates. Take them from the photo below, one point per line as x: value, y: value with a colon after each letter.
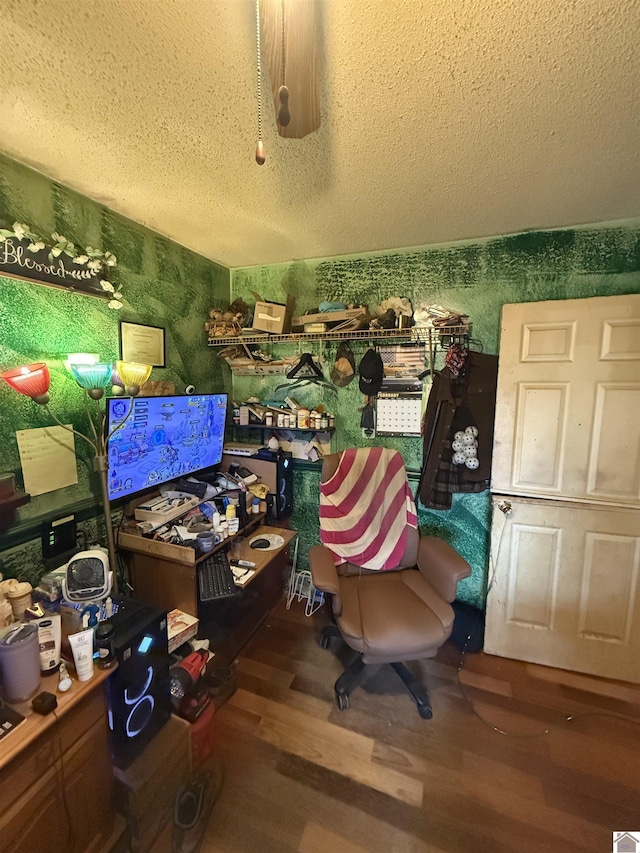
x: 164, y: 284
x: 473, y: 277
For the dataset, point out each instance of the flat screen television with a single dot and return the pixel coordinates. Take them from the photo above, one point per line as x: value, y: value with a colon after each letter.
x: 163, y: 439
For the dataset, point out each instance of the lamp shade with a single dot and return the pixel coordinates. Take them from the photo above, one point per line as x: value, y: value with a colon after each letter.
x: 32, y: 380
x: 81, y: 358
x: 117, y: 385
x: 133, y: 374
x: 93, y: 377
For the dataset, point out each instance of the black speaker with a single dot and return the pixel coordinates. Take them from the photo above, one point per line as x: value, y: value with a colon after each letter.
x: 138, y: 695
x: 283, y: 498
x: 468, y: 627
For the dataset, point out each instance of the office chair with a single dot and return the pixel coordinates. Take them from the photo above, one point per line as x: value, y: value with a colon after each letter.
x: 399, y: 613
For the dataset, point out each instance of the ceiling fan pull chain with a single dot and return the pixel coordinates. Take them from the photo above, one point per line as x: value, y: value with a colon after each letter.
x: 284, y: 116
x: 260, y: 155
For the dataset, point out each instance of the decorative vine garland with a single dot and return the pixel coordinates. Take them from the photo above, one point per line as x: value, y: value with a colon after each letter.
x: 94, y: 259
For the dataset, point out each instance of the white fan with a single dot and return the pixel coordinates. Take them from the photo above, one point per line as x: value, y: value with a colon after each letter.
x: 88, y: 577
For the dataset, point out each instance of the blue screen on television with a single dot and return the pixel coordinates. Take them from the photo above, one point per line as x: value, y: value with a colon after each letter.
x: 162, y: 439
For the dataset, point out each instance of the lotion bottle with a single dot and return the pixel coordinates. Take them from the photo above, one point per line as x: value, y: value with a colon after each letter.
x: 49, y: 637
x: 82, y: 648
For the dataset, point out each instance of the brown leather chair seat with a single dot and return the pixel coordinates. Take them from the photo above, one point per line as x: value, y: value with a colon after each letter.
x: 384, y: 617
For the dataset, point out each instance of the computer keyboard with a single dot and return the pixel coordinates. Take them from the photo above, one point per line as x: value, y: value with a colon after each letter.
x: 215, y: 578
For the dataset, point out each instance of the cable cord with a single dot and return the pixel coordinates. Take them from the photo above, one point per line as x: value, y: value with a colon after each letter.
x: 506, y: 510
x: 71, y: 837
x: 260, y: 155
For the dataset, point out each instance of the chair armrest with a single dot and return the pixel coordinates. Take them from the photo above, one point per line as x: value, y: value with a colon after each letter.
x: 324, y: 575
x: 442, y: 566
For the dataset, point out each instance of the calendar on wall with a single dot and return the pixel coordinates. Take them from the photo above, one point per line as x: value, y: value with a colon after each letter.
x: 399, y: 402
x: 399, y: 413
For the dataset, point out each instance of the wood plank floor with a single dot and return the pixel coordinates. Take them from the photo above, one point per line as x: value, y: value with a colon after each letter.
x: 303, y: 776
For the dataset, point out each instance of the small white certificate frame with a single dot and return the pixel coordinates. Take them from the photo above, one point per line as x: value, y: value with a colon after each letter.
x: 142, y: 343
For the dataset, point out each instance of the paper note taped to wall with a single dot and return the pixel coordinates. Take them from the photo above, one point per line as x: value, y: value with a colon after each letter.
x: 48, y: 459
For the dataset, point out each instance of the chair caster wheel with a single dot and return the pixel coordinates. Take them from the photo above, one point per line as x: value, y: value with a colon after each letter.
x: 343, y: 701
x: 425, y: 712
x: 324, y: 641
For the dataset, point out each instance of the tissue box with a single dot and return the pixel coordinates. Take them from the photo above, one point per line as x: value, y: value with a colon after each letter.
x: 180, y: 628
x: 270, y: 317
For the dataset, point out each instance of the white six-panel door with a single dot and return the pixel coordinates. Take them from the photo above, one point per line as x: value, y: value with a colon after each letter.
x: 565, y: 589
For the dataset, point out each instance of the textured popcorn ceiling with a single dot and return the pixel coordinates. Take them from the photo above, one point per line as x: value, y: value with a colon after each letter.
x: 441, y: 120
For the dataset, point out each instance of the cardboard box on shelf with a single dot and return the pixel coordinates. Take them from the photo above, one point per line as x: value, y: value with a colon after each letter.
x: 328, y: 317
x: 270, y: 317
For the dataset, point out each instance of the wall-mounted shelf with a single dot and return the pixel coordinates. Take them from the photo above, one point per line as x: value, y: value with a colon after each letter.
x: 416, y: 335
x: 264, y: 427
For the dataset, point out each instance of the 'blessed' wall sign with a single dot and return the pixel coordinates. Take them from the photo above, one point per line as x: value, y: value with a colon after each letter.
x: 18, y: 261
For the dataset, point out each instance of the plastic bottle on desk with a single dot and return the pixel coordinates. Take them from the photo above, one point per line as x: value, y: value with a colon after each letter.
x: 105, y: 644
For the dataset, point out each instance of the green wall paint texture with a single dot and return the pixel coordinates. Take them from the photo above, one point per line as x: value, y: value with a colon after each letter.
x: 473, y: 277
x: 167, y: 285
x: 164, y: 284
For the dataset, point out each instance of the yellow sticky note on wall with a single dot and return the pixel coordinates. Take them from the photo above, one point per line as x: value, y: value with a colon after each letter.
x: 48, y: 459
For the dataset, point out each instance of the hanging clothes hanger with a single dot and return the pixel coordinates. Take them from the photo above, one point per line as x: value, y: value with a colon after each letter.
x: 305, y: 372
x: 305, y: 366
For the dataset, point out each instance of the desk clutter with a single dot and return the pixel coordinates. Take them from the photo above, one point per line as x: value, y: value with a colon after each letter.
x: 202, y: 513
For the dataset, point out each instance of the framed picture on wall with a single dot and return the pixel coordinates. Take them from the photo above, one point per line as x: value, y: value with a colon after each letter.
x: 142, y: 343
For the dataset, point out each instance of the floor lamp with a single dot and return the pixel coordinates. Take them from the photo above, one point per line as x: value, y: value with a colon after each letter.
x: 126, y: 377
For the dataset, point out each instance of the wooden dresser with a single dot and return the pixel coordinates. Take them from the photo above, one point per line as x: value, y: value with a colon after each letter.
x: 56, y: 776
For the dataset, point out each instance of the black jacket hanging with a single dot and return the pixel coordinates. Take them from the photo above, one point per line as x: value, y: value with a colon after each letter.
x: 452, y: 402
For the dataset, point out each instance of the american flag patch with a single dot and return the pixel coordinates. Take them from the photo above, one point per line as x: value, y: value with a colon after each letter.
x: 403, y: 360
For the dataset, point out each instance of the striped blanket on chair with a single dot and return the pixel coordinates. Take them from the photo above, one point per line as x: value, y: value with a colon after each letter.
x: 365, y: 508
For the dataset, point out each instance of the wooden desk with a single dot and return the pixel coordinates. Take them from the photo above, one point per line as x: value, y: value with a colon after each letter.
x: 45, y: 755
x: 166, y: 577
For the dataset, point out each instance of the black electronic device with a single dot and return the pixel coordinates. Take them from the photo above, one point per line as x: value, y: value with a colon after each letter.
x: 138, y: 690
x: 10, y: 719
x: 158, y: 439
x: 260, y: 543
x: 44, y: 703
x: 58, y: 537
x: 215, y: 578
x: 242, y: 473
x: 199, y: 489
